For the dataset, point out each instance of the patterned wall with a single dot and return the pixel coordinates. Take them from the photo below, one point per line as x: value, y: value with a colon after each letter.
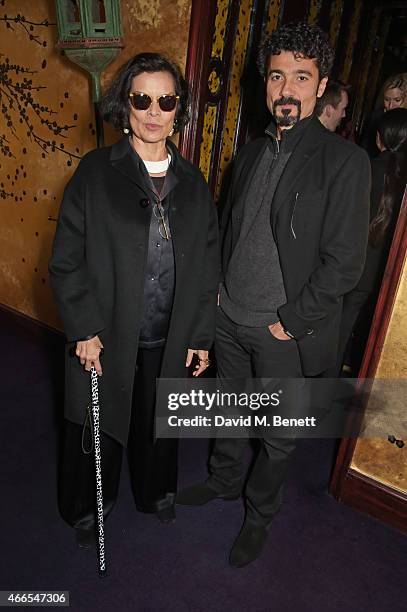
x: 47, y: 124
x: 231, y: 116
x: 237, y: 24
x: 234, y: 94
x: 335, y: 21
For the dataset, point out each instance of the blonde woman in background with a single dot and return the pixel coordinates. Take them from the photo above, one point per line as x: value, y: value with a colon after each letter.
x: 393, y: 94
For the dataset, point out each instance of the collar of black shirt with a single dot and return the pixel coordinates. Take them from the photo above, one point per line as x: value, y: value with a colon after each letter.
x: 170, y: 178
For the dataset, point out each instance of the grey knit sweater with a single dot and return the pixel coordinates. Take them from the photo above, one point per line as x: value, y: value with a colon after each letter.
x: 253, y: 288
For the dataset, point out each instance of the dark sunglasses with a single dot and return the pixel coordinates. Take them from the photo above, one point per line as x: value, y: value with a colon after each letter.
x: 142, y: 101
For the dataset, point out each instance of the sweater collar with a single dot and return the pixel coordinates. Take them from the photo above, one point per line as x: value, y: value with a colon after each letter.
x: 289, y: 138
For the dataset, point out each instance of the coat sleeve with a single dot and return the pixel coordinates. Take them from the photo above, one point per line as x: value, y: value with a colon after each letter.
x: 342, y: 248
x: 225, y: 213
x: 69, y: 274
x: 204, y: 328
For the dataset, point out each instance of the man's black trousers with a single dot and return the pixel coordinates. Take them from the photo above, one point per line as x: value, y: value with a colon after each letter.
x: 244, y: 353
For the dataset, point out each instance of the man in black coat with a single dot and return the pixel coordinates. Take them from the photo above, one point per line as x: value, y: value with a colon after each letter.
x: 294, y: 233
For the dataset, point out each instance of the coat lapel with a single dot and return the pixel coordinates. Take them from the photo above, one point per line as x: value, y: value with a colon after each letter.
x: 297, y: 166
x: 181, y: 189
x: 180, y: 205
x: 123, y: 159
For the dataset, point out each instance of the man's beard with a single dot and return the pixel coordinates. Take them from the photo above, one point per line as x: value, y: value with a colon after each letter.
x: 288, y: 118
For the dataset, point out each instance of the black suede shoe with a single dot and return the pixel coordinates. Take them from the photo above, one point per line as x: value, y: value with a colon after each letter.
x: 200, y: 494
x: 248, y: 545
x: 85, y: 538
x: 166, y: 515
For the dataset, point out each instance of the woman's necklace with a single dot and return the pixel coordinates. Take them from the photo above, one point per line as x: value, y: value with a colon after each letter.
x: 157, y: 167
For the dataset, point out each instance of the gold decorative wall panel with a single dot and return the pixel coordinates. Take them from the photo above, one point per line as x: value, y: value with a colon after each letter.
x: 154, y: 25
x: 366, y: 65
x: 377, y: 458
x: 350, y: 46
x: 373, y: 76
x: 207, y: 140
x: 214, y: 85
x: 42, y: 141
x: 336, y: 17
x: 221, y: 19
x: 273, y: 15
x: 314, y: 9
x: 234, y: 91
x: 48, y: 102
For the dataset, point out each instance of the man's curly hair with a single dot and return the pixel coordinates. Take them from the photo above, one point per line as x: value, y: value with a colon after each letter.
x: 304, y: 40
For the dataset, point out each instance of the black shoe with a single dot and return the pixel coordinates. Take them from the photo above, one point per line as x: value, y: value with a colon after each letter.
x: 248, y: 545
x: 166, y: 515
x: 85, y: 538
x: 200, y: 494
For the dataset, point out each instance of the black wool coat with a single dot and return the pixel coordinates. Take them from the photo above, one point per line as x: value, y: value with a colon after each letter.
x: 97, y: 272
x: 319, y: 218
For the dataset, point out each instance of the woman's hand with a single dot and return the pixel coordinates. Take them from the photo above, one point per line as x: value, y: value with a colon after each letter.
x: 88, y: 352
x: 204, y: 361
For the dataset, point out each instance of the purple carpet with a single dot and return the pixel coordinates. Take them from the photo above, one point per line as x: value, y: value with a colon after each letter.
x: 321, y: 556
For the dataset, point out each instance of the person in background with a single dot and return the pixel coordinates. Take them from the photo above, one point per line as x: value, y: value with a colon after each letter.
x: 393, y: 94
x: 134, y: 270
x: 331, y: 106
x: 389, y: 177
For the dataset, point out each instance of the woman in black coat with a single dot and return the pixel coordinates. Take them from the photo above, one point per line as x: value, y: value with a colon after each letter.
x: 134, y: 271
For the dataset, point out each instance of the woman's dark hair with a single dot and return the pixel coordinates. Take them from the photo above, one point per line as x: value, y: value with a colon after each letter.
x: 304, y: 40
x: 114, y: 106
x: 392, y: 129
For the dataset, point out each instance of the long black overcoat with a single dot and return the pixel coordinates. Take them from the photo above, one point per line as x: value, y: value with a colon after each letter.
x: 97, y: 271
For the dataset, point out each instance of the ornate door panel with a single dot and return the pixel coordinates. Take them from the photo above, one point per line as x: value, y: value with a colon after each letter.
x: 227, y: 102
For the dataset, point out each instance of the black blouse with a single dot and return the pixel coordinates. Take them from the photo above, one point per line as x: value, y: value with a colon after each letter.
x: 160, y: 268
